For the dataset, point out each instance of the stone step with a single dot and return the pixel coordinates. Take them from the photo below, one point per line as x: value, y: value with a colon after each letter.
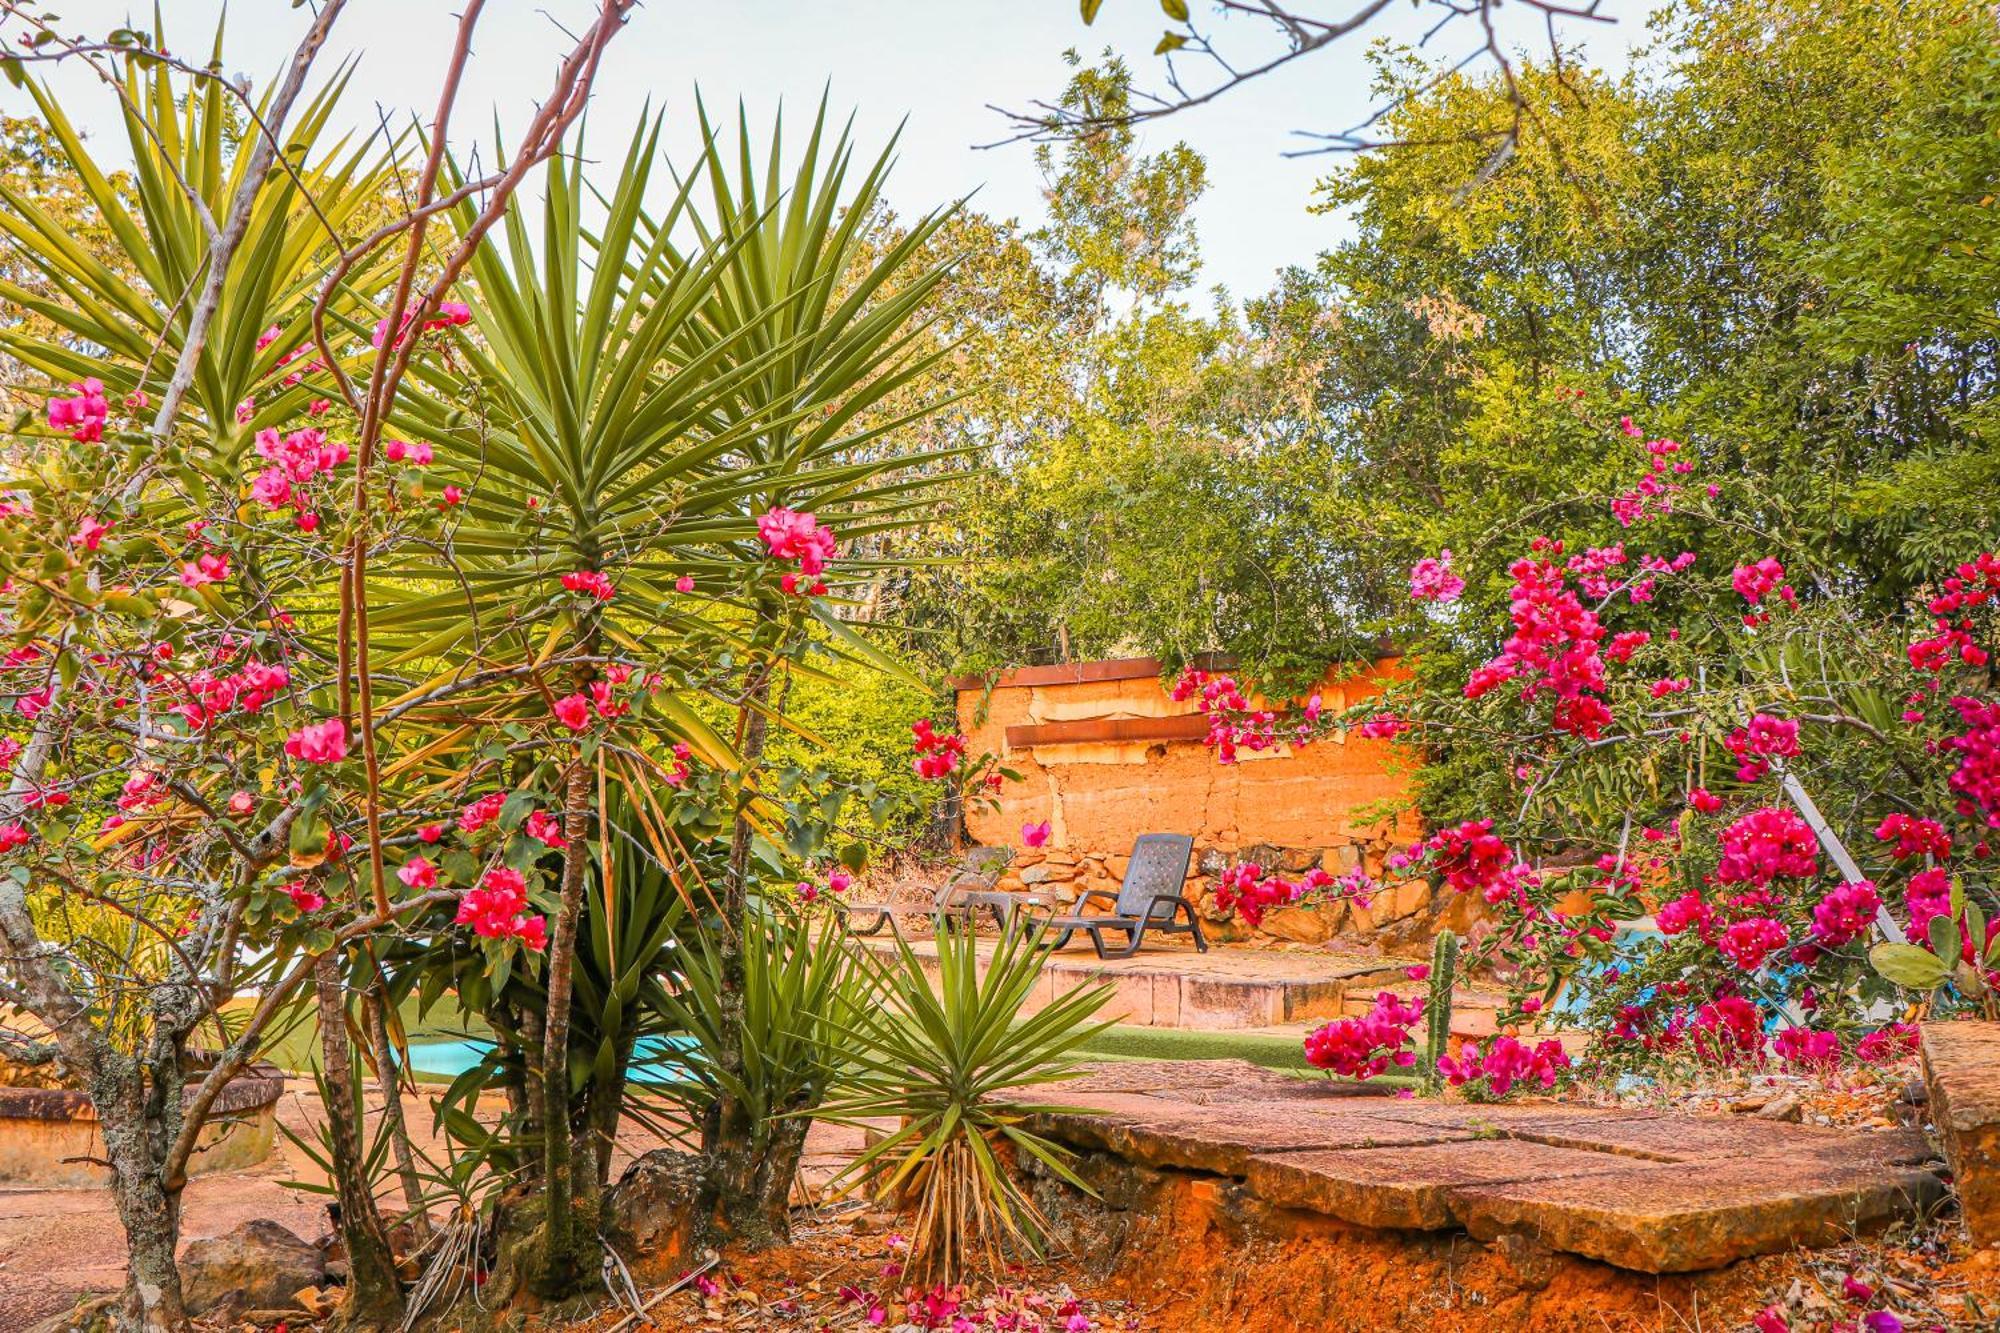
x: 1962, y: 1071
x: 1640, y: 1190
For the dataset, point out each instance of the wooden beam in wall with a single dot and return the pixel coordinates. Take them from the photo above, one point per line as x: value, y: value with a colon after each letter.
x: 1097, y: 730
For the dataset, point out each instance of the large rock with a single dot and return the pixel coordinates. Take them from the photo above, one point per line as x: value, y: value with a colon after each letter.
x: 1962, y: 1071
x: 656, y: 1223
x: 258, y: 1265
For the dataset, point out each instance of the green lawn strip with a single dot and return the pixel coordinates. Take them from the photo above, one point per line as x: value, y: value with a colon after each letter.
x: 1282, y: 1053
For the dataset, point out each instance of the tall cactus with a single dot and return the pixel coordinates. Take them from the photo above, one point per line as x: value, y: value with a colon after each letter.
x: 1437, y: 1008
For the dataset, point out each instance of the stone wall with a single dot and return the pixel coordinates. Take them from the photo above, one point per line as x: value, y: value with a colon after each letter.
x: 1105, y: 754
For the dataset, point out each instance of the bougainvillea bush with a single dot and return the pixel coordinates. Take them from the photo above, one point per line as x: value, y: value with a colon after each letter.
x: 1730, y: 818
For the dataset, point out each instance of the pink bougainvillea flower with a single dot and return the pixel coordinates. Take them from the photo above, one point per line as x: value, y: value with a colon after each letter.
x: 1365, y: 1046
x: 1767, y: 843
x: 1888, y: 1043
x: 1748, y: 943
x: 1914, y: 837
x: 838, y: 880
x: 1432, y: 579
x: 242, y: 803
x: 1881, y: 1321
x: 319, y: 742
x: 1035, y: 835
x: 452, y: 496
x: 1807, y: 1048
x: 1754, y: 582
x: 418, y: 873
x: 430, y: 833
x: 305, y: 899
x: 209, y: 567
x: 546, y: 829
x: 1505, y: 1062
x: 89, y: 533
x: 1418, y: 971
x: 481, y: 812
x: 1383, y: 727
x: 14, y: 834
x: 1771, y: 1319
x: 403, y: 451
x: 685, y: 583
x: 937, y: 754
x: 83, y: 416
x: 573, y: 711
x: 1846, y: 913
x: 589, y: 581
x: 790, y: 535
x: 272, y: 488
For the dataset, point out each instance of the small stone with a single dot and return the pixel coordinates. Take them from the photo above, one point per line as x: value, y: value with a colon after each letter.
x: 1787, y: 1107
x: 314, y: 1302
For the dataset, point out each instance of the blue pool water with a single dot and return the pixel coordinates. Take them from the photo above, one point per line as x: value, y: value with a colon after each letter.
x: 448, y: 1057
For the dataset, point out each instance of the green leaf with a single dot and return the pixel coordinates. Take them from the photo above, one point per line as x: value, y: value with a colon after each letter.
x: 1944, y: 936
x: 1909, y: 965
x: 1090, y: 8
x: 1176, y: 10
x: 1170, y: 41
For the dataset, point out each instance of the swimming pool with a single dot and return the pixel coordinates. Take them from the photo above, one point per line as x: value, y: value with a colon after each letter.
x: 447, y: 1057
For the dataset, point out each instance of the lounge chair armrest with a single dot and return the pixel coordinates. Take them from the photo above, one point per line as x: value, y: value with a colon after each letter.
x: 1105, y: 894
x: 1173, y: 899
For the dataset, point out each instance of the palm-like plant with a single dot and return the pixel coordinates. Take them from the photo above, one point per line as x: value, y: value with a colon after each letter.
x: 952, y: 1063
x: 652, y: 410
x: 125, y: 320
x: 802, y: 990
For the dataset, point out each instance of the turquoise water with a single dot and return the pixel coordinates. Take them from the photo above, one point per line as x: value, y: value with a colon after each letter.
x: 448, y: 1057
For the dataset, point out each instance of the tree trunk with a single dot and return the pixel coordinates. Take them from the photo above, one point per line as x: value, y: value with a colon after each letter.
x: 386, y: 1078
x: 735, y: 1167
x: 571, y: 1214
x: 374, y: 1296
x: 152, y: 1300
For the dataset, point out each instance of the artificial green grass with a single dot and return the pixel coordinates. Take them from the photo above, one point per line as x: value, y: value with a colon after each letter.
x: 1285, y: 1054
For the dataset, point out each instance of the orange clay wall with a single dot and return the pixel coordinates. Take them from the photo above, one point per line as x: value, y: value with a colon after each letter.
x: 1341, y: 802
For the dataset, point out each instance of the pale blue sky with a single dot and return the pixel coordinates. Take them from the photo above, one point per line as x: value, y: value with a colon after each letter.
x: 940, y: 63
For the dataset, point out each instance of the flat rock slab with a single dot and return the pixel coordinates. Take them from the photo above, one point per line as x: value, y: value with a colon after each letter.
x: 1222, y: 1138
x: 1410, y: 1189
x: 1687, y: 1139
x: 1639, y: 1189
x: 1962, y: 1071
x: 1669, y: 1218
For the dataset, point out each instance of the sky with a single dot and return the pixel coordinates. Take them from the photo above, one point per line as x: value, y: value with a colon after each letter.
x: 940, y: 66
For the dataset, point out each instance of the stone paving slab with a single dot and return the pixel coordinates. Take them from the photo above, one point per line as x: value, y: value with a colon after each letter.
x: 1667, y: 1218
x: 1962, y: 1071
x: 1635, y: 1188
x: 1410, y: 1189
x: 1687, y: 1139
x: 1223, y: 1138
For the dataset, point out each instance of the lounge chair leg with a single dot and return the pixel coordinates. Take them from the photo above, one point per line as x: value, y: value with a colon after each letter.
x: 1061, y: 940
x: 1136, y: 935
x: 1200, y: 940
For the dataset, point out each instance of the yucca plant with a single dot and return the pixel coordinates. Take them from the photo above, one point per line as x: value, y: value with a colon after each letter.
x: 637, y: 395
x: 126, y: 322
x: 955, y: 1062
x: 802, y: 990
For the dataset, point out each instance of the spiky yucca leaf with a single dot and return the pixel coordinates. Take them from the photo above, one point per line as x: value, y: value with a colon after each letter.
x: 126, y: 325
